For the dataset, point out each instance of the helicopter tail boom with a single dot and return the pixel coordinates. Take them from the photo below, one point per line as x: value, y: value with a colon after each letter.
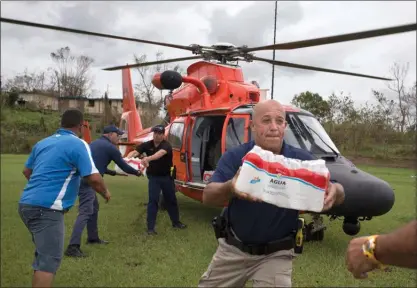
x: 129, y: 103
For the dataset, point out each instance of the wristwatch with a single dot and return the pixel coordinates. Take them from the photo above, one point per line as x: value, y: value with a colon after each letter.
x: 368, y: 249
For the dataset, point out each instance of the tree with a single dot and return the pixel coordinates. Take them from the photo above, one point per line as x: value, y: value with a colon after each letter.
x: 312, y: 102
x: 411, y: 99
x: 150, y: 99
x: 399, y: 73
x: 70, y: 77
x: 27, y: 82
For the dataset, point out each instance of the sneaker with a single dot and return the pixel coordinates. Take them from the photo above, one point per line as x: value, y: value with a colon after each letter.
x: 151, y: 232
x: 99, y: 241
x: 179, y: 225
x: 74, y: 251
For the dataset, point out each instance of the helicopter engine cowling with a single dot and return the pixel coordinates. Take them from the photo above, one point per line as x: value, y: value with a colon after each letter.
x: 365, y: 194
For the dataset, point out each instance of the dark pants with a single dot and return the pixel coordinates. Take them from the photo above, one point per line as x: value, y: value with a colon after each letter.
x: 87, y: 215
x: 47, y: 229
x: 166, y: 184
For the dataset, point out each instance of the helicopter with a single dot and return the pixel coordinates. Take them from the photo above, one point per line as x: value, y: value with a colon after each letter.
x: 208, y: 111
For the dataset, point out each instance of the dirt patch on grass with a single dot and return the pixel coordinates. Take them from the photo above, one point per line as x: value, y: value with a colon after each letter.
x: 394, y: 163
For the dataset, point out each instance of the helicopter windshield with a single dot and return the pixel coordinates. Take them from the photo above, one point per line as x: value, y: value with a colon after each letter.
x: 306, y: 132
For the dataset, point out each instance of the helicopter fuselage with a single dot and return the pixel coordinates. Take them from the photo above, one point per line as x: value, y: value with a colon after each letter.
x: 199, y: 139
x: 212, y: 113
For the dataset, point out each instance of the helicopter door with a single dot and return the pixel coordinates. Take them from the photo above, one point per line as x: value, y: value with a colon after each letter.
x: 176, y: 139
x: 198, y: 137
x: 235, y: 131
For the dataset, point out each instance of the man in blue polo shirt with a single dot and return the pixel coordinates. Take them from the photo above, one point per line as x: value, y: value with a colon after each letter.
x: 54, y: 169
x: 103, y: 151
x: 260, y: 240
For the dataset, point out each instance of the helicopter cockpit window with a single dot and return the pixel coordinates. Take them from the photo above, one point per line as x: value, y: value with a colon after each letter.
x: 175, y: 135
x: 290, y: 137
x: 319, y: 135
x: 307, y: 133
x: 235, y: 132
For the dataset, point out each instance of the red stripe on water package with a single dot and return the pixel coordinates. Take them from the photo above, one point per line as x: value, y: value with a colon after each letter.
x: 275, y: 168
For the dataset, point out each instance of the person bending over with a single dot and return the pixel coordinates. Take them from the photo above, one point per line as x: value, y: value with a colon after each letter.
x: 103, y: 151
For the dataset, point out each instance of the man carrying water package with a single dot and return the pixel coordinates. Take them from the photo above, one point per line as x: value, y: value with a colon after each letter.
x: 257, y: 240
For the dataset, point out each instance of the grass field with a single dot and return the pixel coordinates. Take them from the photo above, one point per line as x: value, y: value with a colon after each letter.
x: 178, y: 258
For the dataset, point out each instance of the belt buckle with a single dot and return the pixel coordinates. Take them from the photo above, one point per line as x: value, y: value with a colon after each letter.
x: 250, y: 249
x: 258, y: 249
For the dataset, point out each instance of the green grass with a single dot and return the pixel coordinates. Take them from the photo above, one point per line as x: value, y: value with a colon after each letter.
x: 178, y: 258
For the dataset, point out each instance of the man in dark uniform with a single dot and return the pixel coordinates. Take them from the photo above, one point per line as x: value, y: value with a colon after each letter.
x: 259, y: 242
x: 103, y: 151
x: 158, y: 161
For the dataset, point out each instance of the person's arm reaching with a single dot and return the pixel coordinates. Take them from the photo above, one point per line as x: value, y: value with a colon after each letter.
x: 220, y: 188
x: 137, y: 152
x: 165, y: 148
x: 84, y: 162
x: 340, y: 194
x: 397, y: 248
x: 118, y: 159
x: 27, y: 171
x: 334, y: 195
x: 110, y: 172
x: 155, y: 156
x: 132, y: 154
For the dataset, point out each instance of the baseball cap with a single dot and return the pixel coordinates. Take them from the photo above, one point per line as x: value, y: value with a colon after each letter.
x: 112, y: 128
x: 158, y: 129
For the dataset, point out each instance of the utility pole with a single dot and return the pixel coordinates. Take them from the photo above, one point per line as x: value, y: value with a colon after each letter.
x: 107, y: 108
x: 273, y: 51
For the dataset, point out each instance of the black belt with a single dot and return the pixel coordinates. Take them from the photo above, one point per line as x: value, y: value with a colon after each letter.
x: 286, y: 243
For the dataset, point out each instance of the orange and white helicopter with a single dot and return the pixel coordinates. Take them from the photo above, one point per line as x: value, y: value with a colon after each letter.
x: 211, y: 113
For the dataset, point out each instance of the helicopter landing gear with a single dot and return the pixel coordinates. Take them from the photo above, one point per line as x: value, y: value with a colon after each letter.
x: 314, y: 231
x: 351, y: 226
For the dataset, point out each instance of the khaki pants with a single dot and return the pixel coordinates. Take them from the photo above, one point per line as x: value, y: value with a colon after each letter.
x: 231, y: 267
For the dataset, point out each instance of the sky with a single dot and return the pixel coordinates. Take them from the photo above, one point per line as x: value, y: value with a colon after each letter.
x: 241, y: 23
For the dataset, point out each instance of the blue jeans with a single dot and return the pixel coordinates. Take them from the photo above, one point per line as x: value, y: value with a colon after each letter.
x: 87, y: 215
x: 47, y: 229
x: 167, y: 185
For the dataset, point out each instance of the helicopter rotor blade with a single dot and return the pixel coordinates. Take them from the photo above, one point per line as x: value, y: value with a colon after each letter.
x: 337, y: 38
x: 78, y: 31
x: 305, y: 67
x: 152, y: 63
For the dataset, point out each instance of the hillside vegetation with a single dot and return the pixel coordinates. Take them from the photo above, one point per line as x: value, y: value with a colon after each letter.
x: 383, y: 130
x: 21, y: 128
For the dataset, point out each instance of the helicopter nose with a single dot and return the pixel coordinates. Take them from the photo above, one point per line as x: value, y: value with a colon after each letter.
x: 378, y: 196
x: 365, y: 194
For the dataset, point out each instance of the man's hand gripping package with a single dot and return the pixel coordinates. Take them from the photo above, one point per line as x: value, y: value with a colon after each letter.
x: 135, y: 163
x: 284, y: 182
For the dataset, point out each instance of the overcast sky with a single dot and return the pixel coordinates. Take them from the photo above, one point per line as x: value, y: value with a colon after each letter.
x: 205, y: 23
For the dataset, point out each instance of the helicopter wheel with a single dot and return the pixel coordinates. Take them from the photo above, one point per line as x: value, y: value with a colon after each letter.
x: 351, y: 226
x: 313, y: 236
